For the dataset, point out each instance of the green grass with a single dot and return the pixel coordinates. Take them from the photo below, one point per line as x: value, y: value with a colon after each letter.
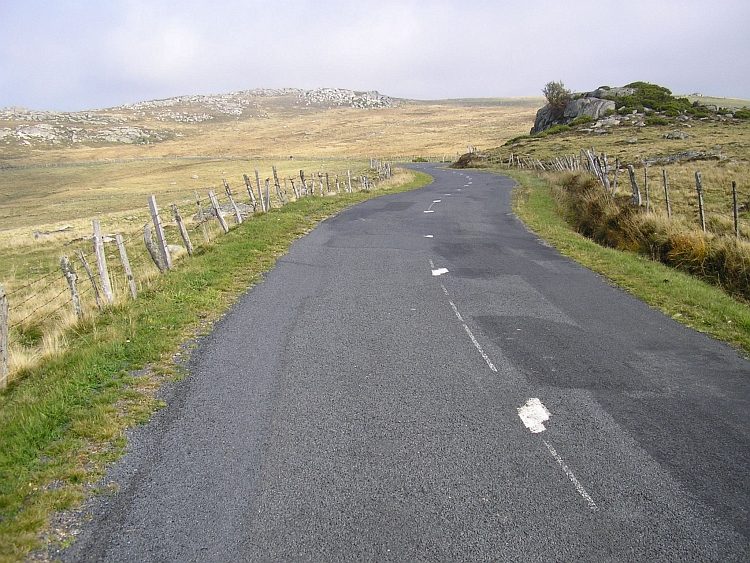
x: 63, y: 422
x: 690, y: 301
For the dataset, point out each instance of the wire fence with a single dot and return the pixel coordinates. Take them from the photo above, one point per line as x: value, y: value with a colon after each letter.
x: 113, y: 267
x: 719, y: 207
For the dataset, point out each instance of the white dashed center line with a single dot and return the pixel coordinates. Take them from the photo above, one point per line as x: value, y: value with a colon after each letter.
x: 472, y: 338
x: 533, y: 414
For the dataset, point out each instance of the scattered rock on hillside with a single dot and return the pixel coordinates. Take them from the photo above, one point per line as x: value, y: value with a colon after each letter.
x: 685, y: 156
x: 676, y: 135
x: 467, y: 160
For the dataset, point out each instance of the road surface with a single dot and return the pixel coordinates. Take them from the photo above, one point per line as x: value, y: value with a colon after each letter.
x: 421, y: 379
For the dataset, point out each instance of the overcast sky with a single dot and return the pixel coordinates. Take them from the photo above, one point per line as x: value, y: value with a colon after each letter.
x: 87, y: 54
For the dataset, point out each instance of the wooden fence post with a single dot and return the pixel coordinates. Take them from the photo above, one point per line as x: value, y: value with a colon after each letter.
x: 699, y: 189
x: 249, y: 187
x: 217, y: 210
x: 86, y: 267
x: 183, y: 230
x: 735, y: 209
x: 617, y: 171
x: 304, y: 183
x: 3, y: 339
x: 126, y: 266
x: 294, y: 188
x: 636, y: 197
x: 666, y: 193
x: 201, y: 216
x: 349, y: 179
x: 278, y: 186
x: 72, y: 278
x: 160, y: 238
x: 101, y: 264
x: 237, y: 214
x: 153, y: 248
x: 328, y: 185
x: 645, y: 189
x: 267, y: 183
x: 260, y: 192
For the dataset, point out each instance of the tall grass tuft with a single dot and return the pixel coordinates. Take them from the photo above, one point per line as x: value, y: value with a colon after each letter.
x: 613, y: 222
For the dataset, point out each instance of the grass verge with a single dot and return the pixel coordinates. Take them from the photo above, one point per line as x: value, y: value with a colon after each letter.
x: 64, y: 421
x: 687, y: 300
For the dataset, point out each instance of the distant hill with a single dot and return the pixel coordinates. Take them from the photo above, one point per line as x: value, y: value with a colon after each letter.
x: 147, y: 122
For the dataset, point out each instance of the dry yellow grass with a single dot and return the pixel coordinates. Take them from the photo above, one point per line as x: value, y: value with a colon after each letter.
x: 48, y: 187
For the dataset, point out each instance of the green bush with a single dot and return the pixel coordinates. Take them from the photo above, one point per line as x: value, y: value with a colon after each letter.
x: 583, y: 120
x: 656, y: 121
x: 742, y: 114
x: 554, y: 130
x: 656, y: 98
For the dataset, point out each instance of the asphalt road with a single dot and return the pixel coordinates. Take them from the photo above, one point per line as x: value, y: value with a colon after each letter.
x: 421, y: 379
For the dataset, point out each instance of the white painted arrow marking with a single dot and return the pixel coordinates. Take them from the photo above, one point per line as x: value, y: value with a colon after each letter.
x: 533, y: 415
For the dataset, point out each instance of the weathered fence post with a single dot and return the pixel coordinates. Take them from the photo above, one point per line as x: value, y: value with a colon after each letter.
x: 217, y: 210
x: 645, y: 188
x: 699, y: 189
x: 736, y: 210
x: 153, y: 248
x: 3, y: 339
x: 183, y: 230
x: 636, y: 198
x: 201, y: 216
x: 268, y: 192
x: 126, y: 266
x: 86, y: 267
x: 260, y: 192
x: 237, y: 215
x: 294, y: 188
x: 277, y: 186
x: 250, y: 191
x: 72, y: 278
x: 101, y: 264
x: 328, y: 185
x: 160, y: 238
x: 349, y: 179
x: 666, y: 193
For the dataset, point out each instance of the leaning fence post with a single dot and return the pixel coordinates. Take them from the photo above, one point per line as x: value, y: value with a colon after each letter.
x: 160, y: 238
x: 249, y: 187
x: 278, y: 186
x: 183, y: 230
x: 153, y: 248
x: 201, y: 216
x: 699, y: 189
x: 666, y: 193
x: 101, y: 264
x: 126, y: 265
x: 260, y: 192
x: 72, y: 278
x: 219, y: 216
x: 237, y: 214
x: 736, y: 210
x: 3, y: 339
x: 86, y: 267
x: 636, y: 198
